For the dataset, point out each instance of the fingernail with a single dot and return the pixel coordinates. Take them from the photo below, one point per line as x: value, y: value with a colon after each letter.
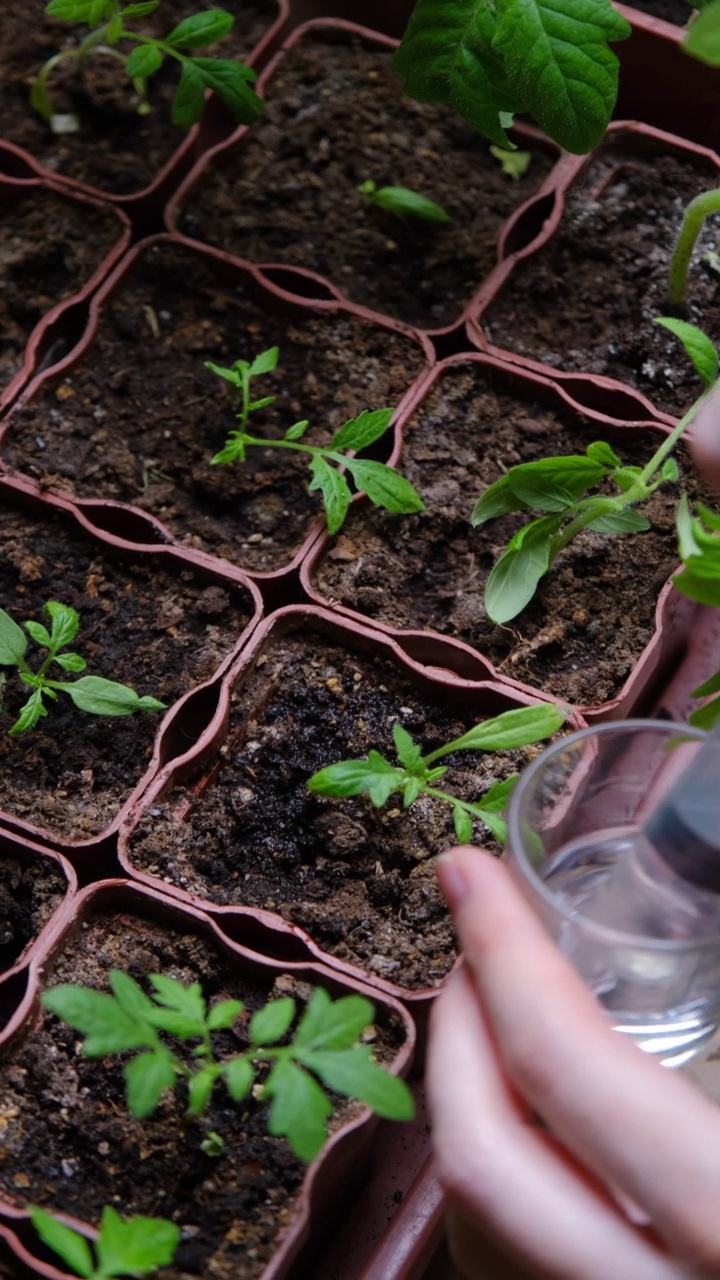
x: 452, y: 880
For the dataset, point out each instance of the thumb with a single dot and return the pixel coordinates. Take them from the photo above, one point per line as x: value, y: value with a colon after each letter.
x: 705, y: 438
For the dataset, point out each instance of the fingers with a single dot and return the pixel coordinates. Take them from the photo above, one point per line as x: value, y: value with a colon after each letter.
x: 705, y: 438
x: 535, y: 1205
x: 638, y: 1126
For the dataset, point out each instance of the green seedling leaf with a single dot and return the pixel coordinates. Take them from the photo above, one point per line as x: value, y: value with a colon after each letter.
x: 299, y: 1109
x: 143, y: 61
x: 223, y: 1014
x: 200, y: 30
x: 129, y: 995
x: 408, y: 752
x: 495, y: 824
x: 134, y: 1246
x: 29, y: 714
x: 557, y: 56
x: 697, y: 345
x: 106, y: 698
x: 463, y: 825
x: 68, y: 1244
x: 70, y: 661
x: 376, y: 776
x: 403, y: 202
x: 516, y: 728
x: 497, y: 796
x: 707, y: 687
x: 385, y: 487
x: 65, y: 623
x: 38, y: 633
x: 513, y: 163
x: 626, y: 477
x: 189, y: 100
x: 230, y: 375
x: 141, y: 10
x: 702, y: 40
x: 88, y: 11
x: 273, y: 1021
x: 498, y: 500
x: 297, y: 431
x: 239, y: 1076
x: 13, y: 642
x: 146, y: 1078
x: 413, y: 787
x: 554, y: 484
x: 711, y: 518
x: 231, y: 82
x: 670, y: 470
x: 601, y: 452
x: 335, y: 491
x: 706, y: 717
x: 264, y: 363
x: 513, y: 579
x: 353, y: 1073
x: 200, y: 1090
x: 108, y: 1028
x: 618, y: 522
x: 362, y: 431
x: 332, y: 1024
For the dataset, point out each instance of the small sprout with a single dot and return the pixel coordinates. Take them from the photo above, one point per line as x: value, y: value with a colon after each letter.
x: 514, y: 163
x: 324, y: 1048
x: 230, y: 80
x: 414, y: 775
x: 403, y: 202
x: 382, y: 484
x: 131, y: 1246
x: 93, y: 694
x: 696, y: 213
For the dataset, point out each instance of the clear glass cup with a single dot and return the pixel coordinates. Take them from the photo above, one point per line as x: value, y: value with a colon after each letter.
x: 644, y: 939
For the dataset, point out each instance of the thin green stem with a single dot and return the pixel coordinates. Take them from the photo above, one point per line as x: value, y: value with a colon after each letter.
x: 669, y: 443
x: 299, y: 448
x: 697, y: 211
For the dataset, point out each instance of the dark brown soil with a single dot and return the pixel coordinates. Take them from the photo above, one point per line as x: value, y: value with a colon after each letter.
x: 676, y: 11
x: 49, y: 248
x: 116, y: 149
x: 585, y: 630
x: 587, y: 300
x: 70, y: 1144
x: 141, y: 417
x: 30, y: 891
x: 159, y: 632
x: 361, y: 881
x: 335, y: 118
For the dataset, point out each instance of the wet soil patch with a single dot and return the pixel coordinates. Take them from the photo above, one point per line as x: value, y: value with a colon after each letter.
x: 30, y: 891
x: 140, y: 418
x: 115, y: 149
x: 594, y: 614
x: 49, y: 248
x: 361, y: 881
x: 588, y: 299
x: 335, y: 118
x: 158, y: 632
x: 70, y: 1143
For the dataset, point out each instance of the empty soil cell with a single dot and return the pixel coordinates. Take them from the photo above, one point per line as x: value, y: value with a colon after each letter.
x: 361, y: 881
x: 140, y: 418
x: 594, y: 612
x: 71, y: 1145
x: 335, y: 118
x: 30, y: 892
x: 49, y: 248
x: 115, y: 148
x: 161, y: 633
x: 587, y: 300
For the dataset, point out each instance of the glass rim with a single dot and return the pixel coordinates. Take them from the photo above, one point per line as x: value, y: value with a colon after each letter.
x: 516, y: 845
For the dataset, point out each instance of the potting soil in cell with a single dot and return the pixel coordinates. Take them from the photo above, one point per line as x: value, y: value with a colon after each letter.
x: 31, y: 890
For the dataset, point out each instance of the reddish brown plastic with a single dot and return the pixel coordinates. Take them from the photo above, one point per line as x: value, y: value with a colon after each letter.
x: 336, y: 1172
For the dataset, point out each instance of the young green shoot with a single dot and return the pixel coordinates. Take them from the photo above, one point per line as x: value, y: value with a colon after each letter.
x: 93, y: 694
x: 323, y: 1051
x: 403, y: 202
x: 560, y: 488
x: 107, y: 19
x: 124, y: 1246
x: 693, y: 221
x: 513, y: 163
x: 415, y: 774
x: 492, y: 61
x: 382, y: 484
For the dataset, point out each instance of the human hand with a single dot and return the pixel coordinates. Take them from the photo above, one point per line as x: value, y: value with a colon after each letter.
x: 539, y: 1107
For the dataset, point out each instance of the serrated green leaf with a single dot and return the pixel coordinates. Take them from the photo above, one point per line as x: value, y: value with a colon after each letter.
x: 99, y: 1017
x: 333, y: 1024
x: 697, y: 345
x: 408, y: 752
x: 513, y: 163
x: 353, y: 1073
x: 498, y: 500
x: 375, y: 775
x: 200, y: 1089
x: 30, y: 713
x: 297, y: 431
x: 362, y: 431
x: 231, y: 82
x: 185, y: 999
x: 65, y: 623
x: 446, y: 55
x: 143, y: 61
x: 70, y: 1245
x: 105, y: 698
x: 189, y: 101
x: 233, y: 376
x: 271, y: 1023
x: 147, y: 1076
x: 555, y: 54
x: 495, y: 799
x: 516, y: 728
x: 702, y: 39
x: 495, y: 823
x: 70, y: 661
x: 129, y: 995
x: 625, y: 521
x: 265, y: 362
x: 412, y: 790
x: 514, y: 578
x: 200, y: 29
x: 239, y: 1076
x: 13, y: 642
x: 405, y: 203
x: 38, y: 633
x: 135, y: 1246
x: 463, y: 825
x: 385, y: 487
x: 335, y: 491
x: 601, y: 452
x: 554, y: 484
x: 298, y: 1110
x: 223, y: 1014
